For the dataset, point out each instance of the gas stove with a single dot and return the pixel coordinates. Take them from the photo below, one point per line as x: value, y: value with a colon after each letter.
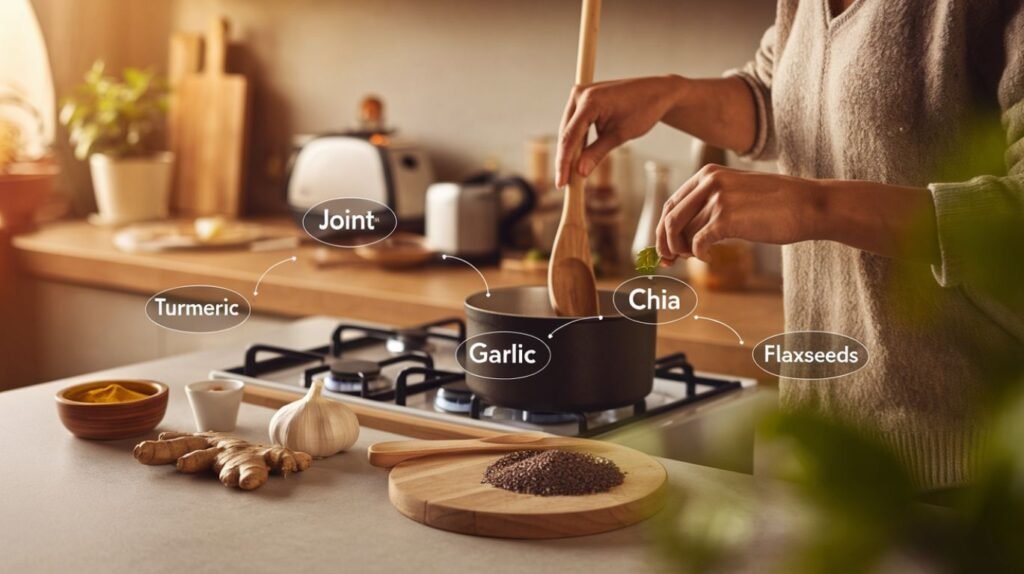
x: 413, y: 372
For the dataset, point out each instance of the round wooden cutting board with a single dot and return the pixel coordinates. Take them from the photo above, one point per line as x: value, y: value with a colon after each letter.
x: 445, y: 492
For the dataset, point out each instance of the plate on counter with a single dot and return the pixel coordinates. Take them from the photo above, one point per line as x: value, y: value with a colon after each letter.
x: 156, y: 237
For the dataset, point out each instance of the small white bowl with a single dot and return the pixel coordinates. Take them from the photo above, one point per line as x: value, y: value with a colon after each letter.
x: 215, y: 403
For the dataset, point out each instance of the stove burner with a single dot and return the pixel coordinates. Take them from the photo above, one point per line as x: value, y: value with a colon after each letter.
x: 453, y: 398
x: 411, y: 339
x: 346, y: 376
x: 542, y: 418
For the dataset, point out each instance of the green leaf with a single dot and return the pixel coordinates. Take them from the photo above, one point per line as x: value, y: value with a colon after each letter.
x: 95, y: 73
x: 647, y: 261
x: 136, y: 79
x: 121, y: 117
x: 67, y: 112
x: 84, y: 141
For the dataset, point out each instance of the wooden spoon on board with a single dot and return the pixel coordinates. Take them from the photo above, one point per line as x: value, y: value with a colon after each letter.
x: 389, y: 454
x: 571, y: 283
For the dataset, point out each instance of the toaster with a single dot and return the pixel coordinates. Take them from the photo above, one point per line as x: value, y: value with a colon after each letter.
x: 390, y: 172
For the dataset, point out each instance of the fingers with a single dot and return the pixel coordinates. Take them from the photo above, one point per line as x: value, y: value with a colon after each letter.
x: 661, y: 245
x: 687, y: 213
x: 708, y: 227
x: 709, y: 235
x: 700, y: 222
x: 571, y: 140
x: 570, y: 109
x: 682, y: 217
x: 665, y: 251
x: 562, y: 159
x: 674, y: 226
x: 567, y: 114
x: 595, y: 152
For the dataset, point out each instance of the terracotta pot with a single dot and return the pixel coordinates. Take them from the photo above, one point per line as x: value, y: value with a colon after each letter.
x: 23, y: 192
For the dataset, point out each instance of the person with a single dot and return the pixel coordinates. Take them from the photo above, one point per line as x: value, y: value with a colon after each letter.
x: 880, y: 115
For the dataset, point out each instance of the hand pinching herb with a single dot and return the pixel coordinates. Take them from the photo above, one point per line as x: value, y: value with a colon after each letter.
x: 647, y: 261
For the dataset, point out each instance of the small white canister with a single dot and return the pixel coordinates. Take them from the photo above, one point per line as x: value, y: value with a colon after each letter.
x: 215, y: 403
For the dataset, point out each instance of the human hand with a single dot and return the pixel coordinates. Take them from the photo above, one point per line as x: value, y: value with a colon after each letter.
x: 621, y: 110
x: 720, y: 203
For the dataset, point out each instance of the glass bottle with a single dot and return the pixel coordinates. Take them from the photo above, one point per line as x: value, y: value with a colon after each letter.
x: 604, y: 218
x: 543, y: 222
x: 656, y: 194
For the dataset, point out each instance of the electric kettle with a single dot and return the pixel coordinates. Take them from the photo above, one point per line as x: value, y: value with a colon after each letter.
x: 470, y: 219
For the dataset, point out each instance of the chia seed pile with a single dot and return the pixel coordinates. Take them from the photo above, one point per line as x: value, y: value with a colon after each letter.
x: 553, y: 473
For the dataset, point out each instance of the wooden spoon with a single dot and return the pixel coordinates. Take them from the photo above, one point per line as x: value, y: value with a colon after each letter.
x: 389, y: 454
x: 571, y: 282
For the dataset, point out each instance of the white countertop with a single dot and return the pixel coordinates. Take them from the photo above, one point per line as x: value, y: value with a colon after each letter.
x: 84, y: 506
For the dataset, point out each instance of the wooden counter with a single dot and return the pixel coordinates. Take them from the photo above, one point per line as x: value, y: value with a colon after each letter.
x: 79, y: 253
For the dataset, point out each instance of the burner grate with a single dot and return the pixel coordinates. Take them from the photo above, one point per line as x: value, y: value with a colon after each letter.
x: 674, y: 367
x: 363, y: 379
x: 376, y: 335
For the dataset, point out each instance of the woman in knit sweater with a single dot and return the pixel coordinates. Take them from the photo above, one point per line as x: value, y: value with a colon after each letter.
x: 878, y: 113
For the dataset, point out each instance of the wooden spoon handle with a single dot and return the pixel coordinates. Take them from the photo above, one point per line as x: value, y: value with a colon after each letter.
x: 586, y: 54
x: 586, y: 58
x: 571, y: 284
x: 389, y: 454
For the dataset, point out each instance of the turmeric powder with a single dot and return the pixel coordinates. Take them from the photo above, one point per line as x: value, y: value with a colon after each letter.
x: 112, y: 393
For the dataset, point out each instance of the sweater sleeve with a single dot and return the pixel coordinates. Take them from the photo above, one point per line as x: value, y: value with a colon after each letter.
x: 981, y: 222
x: 758, y: 76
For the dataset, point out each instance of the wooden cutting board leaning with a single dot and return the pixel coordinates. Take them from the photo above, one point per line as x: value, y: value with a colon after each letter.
x: 208, y: 125
x: 445, y: 490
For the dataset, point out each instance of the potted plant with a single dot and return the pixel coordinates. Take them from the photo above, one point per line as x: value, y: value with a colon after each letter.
x: 117, y: 125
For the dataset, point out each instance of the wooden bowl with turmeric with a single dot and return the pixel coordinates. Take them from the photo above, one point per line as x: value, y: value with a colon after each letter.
x: 107, y: 410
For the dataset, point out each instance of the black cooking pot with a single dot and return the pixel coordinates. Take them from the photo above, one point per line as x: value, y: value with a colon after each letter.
x: 593, y: 365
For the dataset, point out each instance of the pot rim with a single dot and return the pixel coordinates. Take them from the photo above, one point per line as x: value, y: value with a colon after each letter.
x: 613, y: 315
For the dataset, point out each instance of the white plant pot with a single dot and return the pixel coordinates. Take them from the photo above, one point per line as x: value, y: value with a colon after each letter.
x: 132, y: 189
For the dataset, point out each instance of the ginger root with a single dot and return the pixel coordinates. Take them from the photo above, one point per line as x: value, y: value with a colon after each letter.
x: 238, y: 463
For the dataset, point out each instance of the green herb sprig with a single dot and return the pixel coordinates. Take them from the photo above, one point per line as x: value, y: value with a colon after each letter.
x: 121, y: 118
x: 647, y: 261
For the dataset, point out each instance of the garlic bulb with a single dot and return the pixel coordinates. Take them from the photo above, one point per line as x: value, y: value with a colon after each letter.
x: 315, y: 425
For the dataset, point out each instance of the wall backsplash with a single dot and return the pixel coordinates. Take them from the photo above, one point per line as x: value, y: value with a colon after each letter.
x: 469, y: 79
x: 119, y: 32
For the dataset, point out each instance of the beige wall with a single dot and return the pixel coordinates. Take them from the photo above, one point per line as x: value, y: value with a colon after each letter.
x: 79, y: 32
x: 470, y: 79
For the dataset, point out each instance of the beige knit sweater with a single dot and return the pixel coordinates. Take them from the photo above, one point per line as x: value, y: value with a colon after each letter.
x: 896, y: 91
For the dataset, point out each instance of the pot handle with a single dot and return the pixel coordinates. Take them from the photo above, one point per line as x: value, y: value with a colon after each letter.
x: 527, y: 201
